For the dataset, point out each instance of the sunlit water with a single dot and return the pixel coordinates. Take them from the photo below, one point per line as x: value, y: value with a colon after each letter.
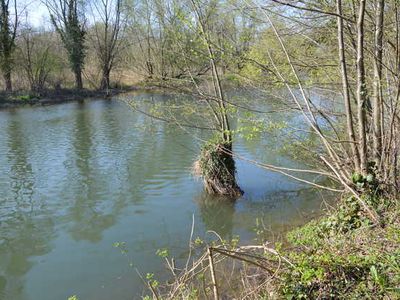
x: 76, y: 178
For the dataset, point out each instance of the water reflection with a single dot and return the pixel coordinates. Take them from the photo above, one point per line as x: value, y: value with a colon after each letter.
x: 89, y: 220
x: 217, y: 214
x: 22, y: 236
x: 78, y: 177
x: 22, y: 180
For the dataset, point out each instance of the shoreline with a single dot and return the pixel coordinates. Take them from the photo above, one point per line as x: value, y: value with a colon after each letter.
x: 53, y: 97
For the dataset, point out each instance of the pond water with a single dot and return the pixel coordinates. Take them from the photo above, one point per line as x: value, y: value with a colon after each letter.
x: 76, y: 178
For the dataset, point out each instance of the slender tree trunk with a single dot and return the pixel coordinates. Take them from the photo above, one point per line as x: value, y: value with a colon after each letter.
x: 7, y: 80
x: 78, y: 79
x: 149, y: 63
x: 361, y: 90
x: 377, y: 104
x: 226, y: 130
x: 345, y: 85
x: 397, y: 21
x: 105, y: 81
x: 224, y: 182
x: 150, y: 69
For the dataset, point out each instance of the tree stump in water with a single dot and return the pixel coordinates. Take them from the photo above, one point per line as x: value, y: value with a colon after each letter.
x: 217, y: 168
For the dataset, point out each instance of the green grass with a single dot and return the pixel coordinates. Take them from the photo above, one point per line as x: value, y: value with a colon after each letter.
x: 342, y: 256
x: 26, y: 97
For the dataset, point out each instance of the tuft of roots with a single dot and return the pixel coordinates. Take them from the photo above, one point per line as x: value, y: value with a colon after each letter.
x: 217, y: 168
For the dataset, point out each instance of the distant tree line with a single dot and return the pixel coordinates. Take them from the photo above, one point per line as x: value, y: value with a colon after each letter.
x: 348, y: 48
x: 92, y: 43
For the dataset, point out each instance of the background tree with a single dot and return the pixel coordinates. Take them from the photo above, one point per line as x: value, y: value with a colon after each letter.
x: 8, y: 31
x: 68, y: 19
x: 40, y: 61
x: 106, y: 36
x: 160, y: 32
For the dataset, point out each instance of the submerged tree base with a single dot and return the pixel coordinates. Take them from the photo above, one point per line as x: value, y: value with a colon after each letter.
x: 217, y: 168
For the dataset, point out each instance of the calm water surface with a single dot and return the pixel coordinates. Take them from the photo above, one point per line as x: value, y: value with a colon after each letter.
x: 76, y: 178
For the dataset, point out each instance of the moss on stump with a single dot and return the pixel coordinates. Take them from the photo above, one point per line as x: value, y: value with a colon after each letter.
x: 217, y: 168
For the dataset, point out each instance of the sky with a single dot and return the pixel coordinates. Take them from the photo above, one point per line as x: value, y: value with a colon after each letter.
x: 38, y: 15
x: 36, y: 12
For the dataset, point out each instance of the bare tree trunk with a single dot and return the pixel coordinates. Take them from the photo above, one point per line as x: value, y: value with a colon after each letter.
x: 7, y: 80
x: 78, y: 79
x: 105, y: 81
x: 397, y: 21
x: 345, y: 85
x: 377, y: 104
x: 361, y: 90
x: 225, y: 126
x: 150, y: 69
x: 149, y: 63
x: 7, y: 40
x: 106, y: 37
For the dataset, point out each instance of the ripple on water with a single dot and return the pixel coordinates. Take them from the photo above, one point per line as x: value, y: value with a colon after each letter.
x: 76, y: 178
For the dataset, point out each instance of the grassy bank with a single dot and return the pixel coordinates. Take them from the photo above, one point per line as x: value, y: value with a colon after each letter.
x: 342, y: 255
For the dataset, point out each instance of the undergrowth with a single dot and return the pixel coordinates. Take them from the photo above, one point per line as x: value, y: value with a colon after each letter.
x: 343, y: 255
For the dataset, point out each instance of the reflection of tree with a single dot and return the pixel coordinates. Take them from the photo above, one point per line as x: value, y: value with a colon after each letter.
x: 3, y: 285
x: 89, y: 218
x: 217, y: 214
x: 115, y: 163
x: 22, y: 234
x: 111, y: 123
x: 159, y: 154
x: 22, y: 180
